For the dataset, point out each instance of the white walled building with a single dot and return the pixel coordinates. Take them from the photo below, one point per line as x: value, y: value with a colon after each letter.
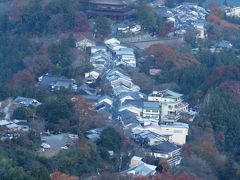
x: 168, y: 151
x: 171, y: 104
x: 151, y: 109
x: 235, y: 11
x: 200, y: 31
x: 176, y: 132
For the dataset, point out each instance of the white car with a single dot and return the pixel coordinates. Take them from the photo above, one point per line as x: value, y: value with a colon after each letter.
x: 64, y: 147
x: 73, y: 136
x: 45, y: 146
x: 123, y: 29
x: 135, y: 28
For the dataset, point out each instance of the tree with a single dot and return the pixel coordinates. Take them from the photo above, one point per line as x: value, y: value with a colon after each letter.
x: 190, y: 36
x: 4, y: 23
x: 20, y: 113
x: 147, y: 18
x: 76, y: 162
x: 21, y: 79
x: 57, y: 175
x: 110, y: 139
x: 81, y: 22
x: 38, y: 64
x: 102, y: 26
x: 57, y: 111
x: 225, y: 2
x: 145, y: 82
x: 162, y: 53
x: 12, y: 51
x: 33, y: 18
x: 83, y: 110
x: 9, y: 171
x: 165, y: 165
x: 170, y: 3
x: 41, y: 174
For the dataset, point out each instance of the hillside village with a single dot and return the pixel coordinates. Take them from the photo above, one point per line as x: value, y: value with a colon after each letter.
x: 129, y: 90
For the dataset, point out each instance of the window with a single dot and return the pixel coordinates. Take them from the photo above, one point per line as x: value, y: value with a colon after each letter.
x: 177, y: 131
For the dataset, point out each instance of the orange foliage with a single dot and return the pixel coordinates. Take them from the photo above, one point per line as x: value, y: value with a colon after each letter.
x: 57, y: 175
x: 86, y: 115
x: 83, y: 109
x: 162, y: 52
x: 22, y: 78
x: 224, y: 24
x: 38, y: 64
x: 183, y: 176
x: 213, y: 18
x: 231, y: 87
x: 186, y: 59
x: 141, y: 178
x: 222, y: 73
x: 214, y: 7
x: 82, y: 24
x: 227, y: 25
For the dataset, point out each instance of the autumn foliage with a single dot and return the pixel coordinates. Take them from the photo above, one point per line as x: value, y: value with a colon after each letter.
x: 21, y: 79
x: 224, y: 24
x: 162, y: 53
x: 57, y: 175
x: 86, y: 115
x: 232, y: 87
x: 223, y: 73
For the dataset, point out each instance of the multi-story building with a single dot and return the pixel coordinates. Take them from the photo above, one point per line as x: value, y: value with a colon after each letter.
x: 151, y: 109
x: 175, y: 132
x: 172, y: 104
x: 110, y: 8
x: 168, y: 151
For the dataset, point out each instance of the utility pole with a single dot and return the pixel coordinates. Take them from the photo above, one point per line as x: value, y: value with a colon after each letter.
x: 120, y: 164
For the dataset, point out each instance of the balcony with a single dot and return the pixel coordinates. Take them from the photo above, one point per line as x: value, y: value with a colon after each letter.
x: 171, y: 118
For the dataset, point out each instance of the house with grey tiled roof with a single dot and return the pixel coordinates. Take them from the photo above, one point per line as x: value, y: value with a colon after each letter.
x: 151, y: 109
x: 23, y: 101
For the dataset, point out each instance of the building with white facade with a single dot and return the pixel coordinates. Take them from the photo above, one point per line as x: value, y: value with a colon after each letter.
x: 139, y: 168
x: 151, y: 109
x: 172, y: 104
x: 175, y: 132
x: 235, y: 11
x: 200, y: 28
x: 168, y: 151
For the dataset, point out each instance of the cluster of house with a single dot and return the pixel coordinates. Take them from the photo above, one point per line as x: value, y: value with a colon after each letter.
x: 221, y: 46
x: 122, y: 55
x: 13, y: 128
x: 104, y: 58
x: 190, y: 15
x: 183, y: 17
x: 151, y: 121
x: 153, y: 124
x: 232, y: 11
x: 165, y: 150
